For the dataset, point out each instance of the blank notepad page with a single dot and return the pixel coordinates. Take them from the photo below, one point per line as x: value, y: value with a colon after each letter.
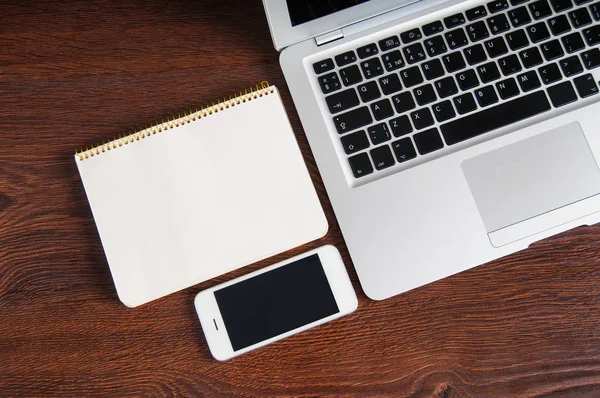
x: 209, y: 193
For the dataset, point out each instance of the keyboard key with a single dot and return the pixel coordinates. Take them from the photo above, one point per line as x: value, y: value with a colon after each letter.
x: 355, y: 142
x: 345, y: 58
x: 559, y: 25
x: 454, y: 20
x: 390, y: 84
x: 392, y: 60
x: 329, y: 83
x: 504, y: 114
x: 571, y: 66
x: 443, y: 111
x: 368, y: 91
x: 498, y: 24
x: 476, y: 13
x: 540, y: 9
x: 496, y: 47
x: 573, y: 42
x: 475, y: 54
x: 552, y: 50
x: 467, y: 79
x: 488, y: 72
x: 497, y: 5
x: 323, y: 66
x: 424, y: 94
x: 351, y: 75
x: 562, y: 94
x: 382, y: 109
x: 528, y: 81
x: 403, y: 102
x: 586, y: 85
x: 550, y: 73
x: 538, y: 32
x: 531, y: 57
x: 515, y: 3
x: 341, y: 101
x: 580, y: 2
x: 477, y: 31
x: 421, y: 118
x: 352, y: 120
x: 432, y: 68
x: 379, y: 133
x: 414, y: 53
x: 367, y: 51
x: 371, y: 68
x: 389, y: 43
x: 410, y: 36
x: 456, y: 38
x: 404, y: 150
x: 507, y: 88
x: 360, y: 165
x: 428, y: 141
x: 580, y: 17
x: 432, y: 28
x: 561, y: 5
x: 464, y: 103
x: 592, y: 35
x: 446, y: 87
x: 454, y: 61
x: 591, y: 58
x: 435, y: 45
x: 510, y: 64
x: 401, y: 126
x: 595, y: 10
x: 411, y: 76
x: 519, y: 16
x: 517, y: 39
x: 486, y: 96
x: 382, y: 157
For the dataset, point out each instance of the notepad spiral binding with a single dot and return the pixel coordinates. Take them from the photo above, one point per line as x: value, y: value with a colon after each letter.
x: 261, y: 89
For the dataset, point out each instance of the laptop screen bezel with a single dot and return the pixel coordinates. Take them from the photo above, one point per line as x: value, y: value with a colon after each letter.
x: 284, y: 34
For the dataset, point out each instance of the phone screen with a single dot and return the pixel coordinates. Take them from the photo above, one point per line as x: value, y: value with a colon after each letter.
x: 276, y: 302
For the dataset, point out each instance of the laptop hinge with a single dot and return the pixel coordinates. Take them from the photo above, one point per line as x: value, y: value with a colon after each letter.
x: 329, y: 37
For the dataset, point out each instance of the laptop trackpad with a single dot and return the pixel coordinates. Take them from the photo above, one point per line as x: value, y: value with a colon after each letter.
x: 530, y: 178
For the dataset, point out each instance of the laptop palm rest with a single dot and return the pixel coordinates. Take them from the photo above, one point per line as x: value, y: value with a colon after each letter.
x: 535, y: 184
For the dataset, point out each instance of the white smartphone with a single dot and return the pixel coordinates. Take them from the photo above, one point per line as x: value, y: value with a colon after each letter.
x: 275, y: 302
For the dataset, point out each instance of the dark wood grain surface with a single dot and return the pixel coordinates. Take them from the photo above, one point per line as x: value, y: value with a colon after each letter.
x: 76, y: 72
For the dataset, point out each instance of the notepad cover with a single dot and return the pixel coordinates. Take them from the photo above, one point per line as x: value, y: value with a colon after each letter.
x: 197, y: 200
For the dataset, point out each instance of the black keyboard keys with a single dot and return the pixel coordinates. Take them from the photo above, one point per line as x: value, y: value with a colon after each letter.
x: 549, y: 73
x: 382, y: 157
x: 446, y: 87
x: 323, y: 66
x: 531, y: 57
x: 488, y: 72
x: 561, y: 5
x: 421, y: 118
x: 573, y: 42
x: 390, y: 84
x: 476, y: 13
x: 403, y: 102
x: 580, y: 17
x: 496, y: 47
x: 424, y: 94
x: 464, y: 103
x: 510, y: 64
x: 411, y: 76
x: 401, y: 126
x: 454, y: 20
x: 414, y: 53
x: 519, y: 16
x: 341, y: 101
x: 562, y: 94
x: 475, y: 54
x: 477, y: 31
x: 517, y: 39
x: 432, y: 68
x: 371, y: 68
x: 540, y: 9
x: 486, y: 96
x: 392, y: 60
x: 559, y: 25
x: 404, y: 150
x: 355, y: 142
x: 456, y: 38
x: 435, y: 46
x: 454, y: 61
x: 592, y: 35
x: 410, y: 36
x: 389, y: 43
x: 552, y: 50
x: 443, y: 111
x: 345, y: 58
x: 352, y: 120
x: 329, y: 83
x: 428, y: 141
x: 571, y: 66
x: 368, y: 91
x: 360, y: 165
x: 379, y: 133
x: 467, y: 79
x: 538, y: 32
x: 586, y: 85
x: 382, y: 109
x: 507, y: 88
x: 591, y: 58
x: 350, y: 75
x: 529, y: 81
x: 498, y: 24
x: 432, y: 28
x: 367, y: 51
x: 497, y: 5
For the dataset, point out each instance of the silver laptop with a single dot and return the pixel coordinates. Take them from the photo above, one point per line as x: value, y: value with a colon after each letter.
x: 448, y: 133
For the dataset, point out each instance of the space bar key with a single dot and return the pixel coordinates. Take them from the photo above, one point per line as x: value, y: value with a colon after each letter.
x: 499, y: 116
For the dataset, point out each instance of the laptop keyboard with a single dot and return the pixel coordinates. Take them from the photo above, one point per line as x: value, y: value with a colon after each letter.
x: 447, y: 81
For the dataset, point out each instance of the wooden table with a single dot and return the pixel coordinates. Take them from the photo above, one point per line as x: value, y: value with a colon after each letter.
x: 77, y: 72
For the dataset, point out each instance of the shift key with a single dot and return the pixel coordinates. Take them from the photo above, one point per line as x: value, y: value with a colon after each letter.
x: 352, y: 120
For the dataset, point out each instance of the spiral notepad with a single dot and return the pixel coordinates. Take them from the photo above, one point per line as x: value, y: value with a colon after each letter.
x: 199, y: 195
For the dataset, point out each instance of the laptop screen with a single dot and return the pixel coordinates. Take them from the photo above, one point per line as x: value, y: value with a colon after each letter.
x: 302, y: 11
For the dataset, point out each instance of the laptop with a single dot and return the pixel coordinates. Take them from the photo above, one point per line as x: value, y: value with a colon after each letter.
x: 448, y: 133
